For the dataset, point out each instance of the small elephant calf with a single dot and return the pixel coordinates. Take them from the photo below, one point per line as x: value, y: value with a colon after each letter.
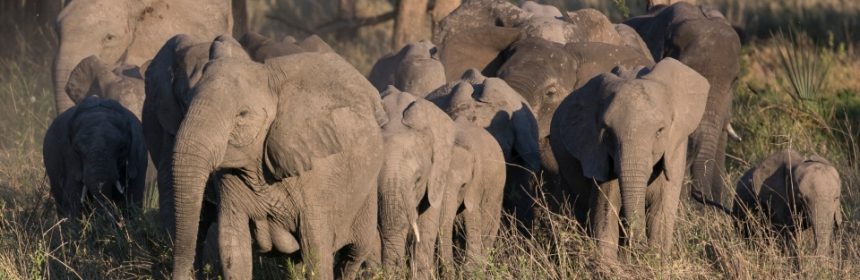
x: 95, y: 152
x: 787, y: 188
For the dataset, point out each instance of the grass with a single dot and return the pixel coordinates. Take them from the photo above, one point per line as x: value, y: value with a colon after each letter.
x: 33, y: 246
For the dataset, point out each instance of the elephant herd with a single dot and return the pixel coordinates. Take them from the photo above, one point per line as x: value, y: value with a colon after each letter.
x: 284, y: 146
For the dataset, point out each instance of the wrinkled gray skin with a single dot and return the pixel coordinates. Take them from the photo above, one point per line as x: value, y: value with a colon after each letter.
x: 787, y: 187
x: 621, y: 143
x: 492, y: 104
x: 475, y: 198
x: 176, y: 68
x: 415, y: 69
x: 128, y: 32
x: 94, y: 154
x: 94, y: 77
x: 419, y: 141
x: 541, y: 10
x: 298, y: 145
x: 260, y: 47
x: 544, y: 59
x: 701, y: 38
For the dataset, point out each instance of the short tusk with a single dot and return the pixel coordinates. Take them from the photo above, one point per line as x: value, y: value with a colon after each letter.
x: 119, y: 187
x: 83, y: 194
x: 415, y: 230
x: 732, y: 133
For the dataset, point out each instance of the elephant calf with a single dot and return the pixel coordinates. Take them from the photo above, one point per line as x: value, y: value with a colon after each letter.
x: 95, y: 152
x: 786, y: 188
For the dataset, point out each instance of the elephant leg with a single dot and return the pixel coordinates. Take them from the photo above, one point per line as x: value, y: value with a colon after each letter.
x: 662, y: 198
x: 234, y: 243
x: 367, y: 242
x: 317, y: 248
x: 166, y: 208
x: 474, y: 238
x: 719, y: 191
x: 448, y: 214
x: 423, y: 258
x: 604, y: 218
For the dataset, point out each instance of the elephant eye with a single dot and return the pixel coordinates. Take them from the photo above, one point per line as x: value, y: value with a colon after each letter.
x: 109, y: 37
x: 551, y: 91
x: 660, y: 132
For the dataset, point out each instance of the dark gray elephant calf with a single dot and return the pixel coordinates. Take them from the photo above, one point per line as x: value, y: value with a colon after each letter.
x: 94, y: 152
x: 787, y: 187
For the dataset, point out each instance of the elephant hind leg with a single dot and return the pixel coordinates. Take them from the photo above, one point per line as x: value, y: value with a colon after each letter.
x: 366, y: 244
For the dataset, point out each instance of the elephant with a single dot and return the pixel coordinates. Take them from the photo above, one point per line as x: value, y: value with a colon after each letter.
x: 94, y: 77
x: 703, y: 39
x: 620, y: 142
x: 128, y: 32
x: 541, y: 10
x: 493, y: 105
x: 478, y: 178
x: 260, y: 47
x: 414, y: 69
x: 94, y: 153
x: 419, y: 141
x: 786, y: 188
x: 297, y: 144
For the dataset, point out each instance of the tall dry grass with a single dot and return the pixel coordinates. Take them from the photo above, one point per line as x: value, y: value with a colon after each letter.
x: 707, y: 245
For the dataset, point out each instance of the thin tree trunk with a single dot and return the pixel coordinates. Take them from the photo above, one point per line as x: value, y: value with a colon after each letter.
x: 240, y: 18
x: 409, y: 22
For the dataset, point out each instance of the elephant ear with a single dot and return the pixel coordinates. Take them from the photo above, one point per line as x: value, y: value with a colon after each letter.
x: 163, y: 81
x: 314, y: 43
x: 687, y: 94
x: 424, y: 115
x: 577, y: 123
x: 475, y: 34
x: 225, y: 46
x: 88, y: 78
x: 774, y: 165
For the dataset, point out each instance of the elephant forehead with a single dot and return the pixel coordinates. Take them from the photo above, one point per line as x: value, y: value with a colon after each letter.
x: 817, y: 178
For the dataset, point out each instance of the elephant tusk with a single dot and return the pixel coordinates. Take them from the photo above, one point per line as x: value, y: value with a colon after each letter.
x: 119, y: 187
x: 732, y: 133
x: 417, y: 234
x: 83, y: 194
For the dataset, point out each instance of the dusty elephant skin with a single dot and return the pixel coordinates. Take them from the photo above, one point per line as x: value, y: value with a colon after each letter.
x: 128, y: 32
x: 701, y: 38
x: 621, y: 143
x: 123, y: 84
x: 299, y: 157
x: 94, y: 154
x: 419, y: 141
x: 478, y: 178
x: 493, y: 105
x: 787, y: 187
x: 260, y: 47
x: 415, y: 69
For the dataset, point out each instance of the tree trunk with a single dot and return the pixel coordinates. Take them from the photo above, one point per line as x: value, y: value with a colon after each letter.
x: 441, y: 9
x: 240, y: 18
x: 409, y: 22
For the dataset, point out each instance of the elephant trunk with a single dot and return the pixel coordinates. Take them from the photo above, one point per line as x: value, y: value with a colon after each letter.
x: 823, y: 222
x: 395, y: 214
x: 63, y: 65
x: 634, y: 172
x: 200, y: 146
x: 707, y: 137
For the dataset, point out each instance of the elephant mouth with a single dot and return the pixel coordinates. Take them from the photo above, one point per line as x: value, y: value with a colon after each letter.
x: 103, y: 202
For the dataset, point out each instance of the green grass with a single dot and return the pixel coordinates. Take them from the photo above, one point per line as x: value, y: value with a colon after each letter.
x: 32, y: 245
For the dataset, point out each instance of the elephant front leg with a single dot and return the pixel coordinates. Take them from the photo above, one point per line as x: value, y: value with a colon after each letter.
x: 424, y: 261
x: 234, y: 244
x: 317, y: 248
x: 662, y: 198
x: 604, y: 218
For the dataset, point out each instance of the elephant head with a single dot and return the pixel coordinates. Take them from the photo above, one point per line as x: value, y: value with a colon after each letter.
x: 546, y: 72
x: 95, y: 151
x: 419, y: 141
x: 128, y: 32
x: 94, y: 77
x: 633, y: 125
x: 819, y: 188
x: 492, y: 104
x: 260, y: 47
x: 415, y: 69
x: 263, y: 123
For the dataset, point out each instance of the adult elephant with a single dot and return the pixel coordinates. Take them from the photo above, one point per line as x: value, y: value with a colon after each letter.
x: 703, y: 39
x: 493, y: 105
x: 792, y: 192
x: 621, y: 144
x: 260, y: 47
x: 419, y: 141
x: 128, y: 32
x: 298, y: 142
